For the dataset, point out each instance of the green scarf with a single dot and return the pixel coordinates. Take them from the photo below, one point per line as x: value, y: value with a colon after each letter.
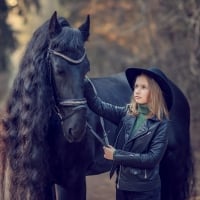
x: 143, y: 111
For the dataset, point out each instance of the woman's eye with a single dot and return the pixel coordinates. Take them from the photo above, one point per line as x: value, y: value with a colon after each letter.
x: 144, y: 87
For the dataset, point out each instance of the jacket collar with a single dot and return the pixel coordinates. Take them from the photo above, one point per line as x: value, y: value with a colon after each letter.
x: 143, y: 129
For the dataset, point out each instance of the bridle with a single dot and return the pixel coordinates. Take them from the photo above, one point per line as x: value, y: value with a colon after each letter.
x: 74, y: 104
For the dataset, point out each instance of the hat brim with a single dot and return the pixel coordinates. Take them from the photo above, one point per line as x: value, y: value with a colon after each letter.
x: 158, y: 76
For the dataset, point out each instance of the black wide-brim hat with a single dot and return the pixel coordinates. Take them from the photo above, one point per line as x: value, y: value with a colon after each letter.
x: 158, y: 76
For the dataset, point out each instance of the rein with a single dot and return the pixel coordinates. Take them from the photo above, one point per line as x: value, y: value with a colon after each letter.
x: 104, y: 141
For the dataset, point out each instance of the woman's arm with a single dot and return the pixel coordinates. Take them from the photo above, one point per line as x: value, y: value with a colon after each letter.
x: 96, y: 104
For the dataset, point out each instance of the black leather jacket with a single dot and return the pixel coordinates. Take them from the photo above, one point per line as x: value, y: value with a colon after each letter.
x: 136, y: 159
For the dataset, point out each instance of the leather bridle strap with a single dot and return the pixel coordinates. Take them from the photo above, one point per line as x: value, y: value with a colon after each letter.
x: 68, y: 58
x: 73, y: 102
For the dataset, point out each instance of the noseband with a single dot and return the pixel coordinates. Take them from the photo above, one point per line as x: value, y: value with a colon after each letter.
x: 74, y: 104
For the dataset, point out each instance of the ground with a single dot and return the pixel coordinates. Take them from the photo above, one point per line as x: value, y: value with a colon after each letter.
x: 100, y: 187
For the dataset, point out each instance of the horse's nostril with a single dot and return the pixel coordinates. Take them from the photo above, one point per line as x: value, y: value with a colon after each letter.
x: 70, y: 131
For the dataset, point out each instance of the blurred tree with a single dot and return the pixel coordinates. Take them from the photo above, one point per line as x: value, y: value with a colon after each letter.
x: 8, y: 41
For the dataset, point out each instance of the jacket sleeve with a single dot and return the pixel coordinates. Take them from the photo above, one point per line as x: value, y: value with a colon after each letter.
x: 150, y: 158
x: 96, y: 104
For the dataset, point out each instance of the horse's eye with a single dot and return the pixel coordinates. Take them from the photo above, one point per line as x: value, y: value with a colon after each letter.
x: 60, y: 71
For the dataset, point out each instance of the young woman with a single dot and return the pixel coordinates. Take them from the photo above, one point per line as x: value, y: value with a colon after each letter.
x: 141, y: 136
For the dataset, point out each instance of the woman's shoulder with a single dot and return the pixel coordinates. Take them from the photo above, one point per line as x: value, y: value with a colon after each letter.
x: 164, y: 124
x: 155, y: 122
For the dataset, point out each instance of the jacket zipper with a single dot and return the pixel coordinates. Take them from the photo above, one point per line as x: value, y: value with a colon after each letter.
x: 117, y: 137
x: 147, y: 133
x: 145, y: 174
x: 119, y: 165
x: 119, y: 176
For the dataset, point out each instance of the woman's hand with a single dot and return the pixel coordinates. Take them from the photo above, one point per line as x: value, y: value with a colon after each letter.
x: 108, y: 152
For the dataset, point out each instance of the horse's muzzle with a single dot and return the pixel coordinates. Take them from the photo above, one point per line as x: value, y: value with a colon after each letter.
x: 73, y: 135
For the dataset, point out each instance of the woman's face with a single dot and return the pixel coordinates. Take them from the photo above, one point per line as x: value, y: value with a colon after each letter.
x: 141, y: 90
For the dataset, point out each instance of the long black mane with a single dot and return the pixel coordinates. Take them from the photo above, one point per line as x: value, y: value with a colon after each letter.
x: 28, y: 110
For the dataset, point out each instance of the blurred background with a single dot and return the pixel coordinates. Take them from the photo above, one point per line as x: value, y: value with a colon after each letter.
x: 124, y: 33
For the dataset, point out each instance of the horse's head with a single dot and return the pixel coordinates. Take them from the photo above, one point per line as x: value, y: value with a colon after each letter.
x: 69, y: 65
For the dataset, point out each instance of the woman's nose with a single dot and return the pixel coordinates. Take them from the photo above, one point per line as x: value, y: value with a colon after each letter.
x: 137, y: 91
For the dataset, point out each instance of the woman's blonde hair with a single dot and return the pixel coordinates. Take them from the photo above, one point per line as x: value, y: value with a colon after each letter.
x: 157, y: 105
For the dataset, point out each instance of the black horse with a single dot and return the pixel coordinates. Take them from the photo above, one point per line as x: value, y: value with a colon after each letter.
x: 46, y: 103
x: 45, y: 139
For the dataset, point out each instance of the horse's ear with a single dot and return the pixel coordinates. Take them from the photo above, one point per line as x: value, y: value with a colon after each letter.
x: 85, y: 29
x: 54, y: 26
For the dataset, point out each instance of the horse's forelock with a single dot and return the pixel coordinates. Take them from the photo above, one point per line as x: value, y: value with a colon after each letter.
x: 69, y: 38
